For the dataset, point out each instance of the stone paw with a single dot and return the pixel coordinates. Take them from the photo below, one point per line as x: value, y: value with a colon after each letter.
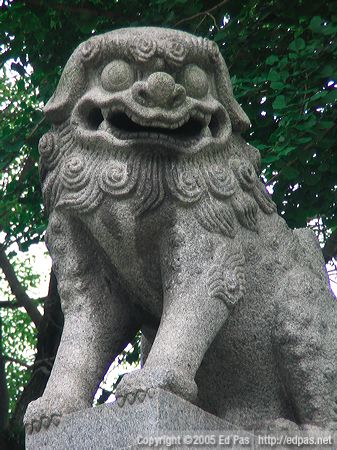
x: 39, y: 416
x: 136, y: 385
x: 43, y: 412
x: 137, y: 397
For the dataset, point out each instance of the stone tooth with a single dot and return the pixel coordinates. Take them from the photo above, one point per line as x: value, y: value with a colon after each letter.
x: 105, y: 113
x: 103, y: 126
x: 207, y: 132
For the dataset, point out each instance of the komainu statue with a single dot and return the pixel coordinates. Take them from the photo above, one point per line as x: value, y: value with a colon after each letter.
x: 159, y: 222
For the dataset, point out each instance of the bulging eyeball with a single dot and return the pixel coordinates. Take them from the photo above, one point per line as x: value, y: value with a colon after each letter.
x: 117, y: 76
x: 195, y: 81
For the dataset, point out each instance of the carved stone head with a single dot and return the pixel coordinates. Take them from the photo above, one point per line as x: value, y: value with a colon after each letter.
x: 148, y: 86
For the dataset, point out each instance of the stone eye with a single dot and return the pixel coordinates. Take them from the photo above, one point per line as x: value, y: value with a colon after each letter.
x: 117, y: 76
x: 195, y: 81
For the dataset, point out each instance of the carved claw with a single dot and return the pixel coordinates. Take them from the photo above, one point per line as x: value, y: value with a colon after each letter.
x: 56, y: 419
x: 43, y: 412
x: 37, y: 425
x: 147, y: 381
x: 46, y: 421
x: 141, y: 396
x: 43, y: 422
x: 151, y: 392
x: 131, y: 398
x: 120, y: 401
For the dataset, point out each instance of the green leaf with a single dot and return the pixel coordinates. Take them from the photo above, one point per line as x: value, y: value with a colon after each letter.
x: 277, y: 85
x: 297, y: 45
x: 286, y: 150
x: 315, y: 24
x: 304, y: 140
x: 279, y: 102
x: 318, y: 95
x: 271, y: 60
x: 273, y: 75
x: 329, y: 29
x: 270, y: 159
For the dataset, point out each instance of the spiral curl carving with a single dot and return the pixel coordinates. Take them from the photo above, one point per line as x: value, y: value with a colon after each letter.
x: 185, y: 185
x: 74, y: 173
x: 245, y: 173
x: 114, y: 178
x: 220, y: 182
x: 143, y: 49
x: 48, y: 151
x: 176, y: 52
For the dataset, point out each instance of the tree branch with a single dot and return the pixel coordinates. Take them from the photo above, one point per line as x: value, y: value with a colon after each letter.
x: 18, y: 291
x: 4, y: 398
x: 10, y: 305
x: 202, y: 13
x: 330, y: 247
x: 35, y: 128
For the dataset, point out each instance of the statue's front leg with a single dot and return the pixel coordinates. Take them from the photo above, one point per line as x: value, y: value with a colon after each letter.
x: 97, y: 324
x: 201, y: 280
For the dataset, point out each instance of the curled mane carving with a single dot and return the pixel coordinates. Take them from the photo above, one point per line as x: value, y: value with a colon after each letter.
x: 86, y: 158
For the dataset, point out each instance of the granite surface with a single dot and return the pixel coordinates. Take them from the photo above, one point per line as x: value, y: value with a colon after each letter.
x: 112, y: 427
x: 159, y: 221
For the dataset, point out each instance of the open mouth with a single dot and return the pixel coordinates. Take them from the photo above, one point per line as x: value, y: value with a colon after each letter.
x: 125, y: 126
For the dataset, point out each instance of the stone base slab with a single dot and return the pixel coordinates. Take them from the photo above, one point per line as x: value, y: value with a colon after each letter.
x: 132, y: 426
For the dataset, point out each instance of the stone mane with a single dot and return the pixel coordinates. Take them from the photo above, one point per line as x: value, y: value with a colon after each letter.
x: 78, y: 179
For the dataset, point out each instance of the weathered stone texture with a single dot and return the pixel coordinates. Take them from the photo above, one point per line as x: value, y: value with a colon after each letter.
x: 158, y: 221
x: 112, y: 427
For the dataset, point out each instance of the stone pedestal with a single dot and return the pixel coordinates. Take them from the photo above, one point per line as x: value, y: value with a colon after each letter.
x: 164, y: 416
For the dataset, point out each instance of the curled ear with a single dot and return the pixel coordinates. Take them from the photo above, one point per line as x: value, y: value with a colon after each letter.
x: 69, y: 89
x: 239, y: 119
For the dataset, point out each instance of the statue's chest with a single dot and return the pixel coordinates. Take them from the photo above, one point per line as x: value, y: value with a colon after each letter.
x: 131, y: 242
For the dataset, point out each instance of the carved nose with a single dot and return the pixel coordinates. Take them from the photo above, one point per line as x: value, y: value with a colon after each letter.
x: 161, y: 90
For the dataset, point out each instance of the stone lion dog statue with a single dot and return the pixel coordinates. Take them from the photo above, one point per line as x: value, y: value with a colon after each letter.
x: 159, y: 222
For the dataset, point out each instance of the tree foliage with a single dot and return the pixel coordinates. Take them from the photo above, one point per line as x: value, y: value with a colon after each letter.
x: 282, y: 56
